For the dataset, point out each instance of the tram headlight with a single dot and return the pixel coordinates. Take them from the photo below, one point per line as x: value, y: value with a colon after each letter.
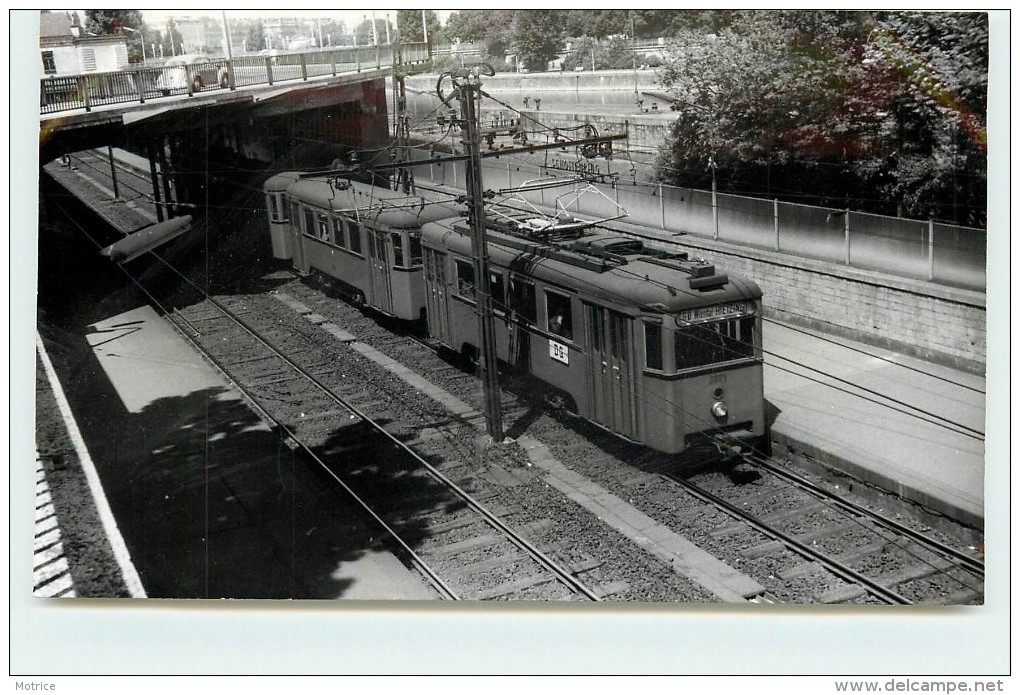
x: 720, y: 410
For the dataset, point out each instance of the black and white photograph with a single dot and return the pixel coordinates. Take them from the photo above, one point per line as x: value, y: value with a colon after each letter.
x: 571, y: 311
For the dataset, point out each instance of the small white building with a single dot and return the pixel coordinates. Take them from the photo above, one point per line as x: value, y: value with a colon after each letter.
x: 65, y: 51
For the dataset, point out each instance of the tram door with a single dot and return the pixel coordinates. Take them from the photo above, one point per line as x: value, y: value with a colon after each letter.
x: 522, y: 311
x: 436, y: 295
x: 297, y: 239
x: 382, y: 291
x: 611, y: 370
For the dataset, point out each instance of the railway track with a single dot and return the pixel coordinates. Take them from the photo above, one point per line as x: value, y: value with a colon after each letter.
x: 443, y: 532
x: 132, y: 184
x: 849, y: 554
x: 874, y: 558
x: 462, y: 547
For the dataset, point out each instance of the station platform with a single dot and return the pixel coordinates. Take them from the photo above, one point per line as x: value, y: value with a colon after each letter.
x: 907, y: 426
x: 207, y: 502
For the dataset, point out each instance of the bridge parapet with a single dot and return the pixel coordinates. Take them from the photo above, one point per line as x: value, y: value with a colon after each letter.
x: 138, y: 85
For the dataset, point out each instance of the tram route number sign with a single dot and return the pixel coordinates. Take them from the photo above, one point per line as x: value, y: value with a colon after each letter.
x: 559, y: 352
x: 717, y: 311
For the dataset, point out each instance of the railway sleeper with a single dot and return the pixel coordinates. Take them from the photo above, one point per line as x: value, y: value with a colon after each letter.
x: 441, y: 507
x: 270, y: 378
x: 533, y: 528
x: 805, y: 568
x: 424, y: 519
x: 445, y: 526
x: 557, y: 551
x: 759, y: 496
x: 768, y: 519
x: 769, y: 548
x: 957, y: 598
x: 916, y: 571
x: 841, y: 594
x: 610, y: 589
x: 578, y: 565
x: 829, y: 532
x: 512, y: 587
x: 304, y: 418
x: 501, y: 476
x: 487, y: 565
x: 337, y: 450
x: 196, y: 316
x: 451, y: 549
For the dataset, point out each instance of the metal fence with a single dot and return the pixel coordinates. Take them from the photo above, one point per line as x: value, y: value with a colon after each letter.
x: 141, y: 84
x: 918, y: 249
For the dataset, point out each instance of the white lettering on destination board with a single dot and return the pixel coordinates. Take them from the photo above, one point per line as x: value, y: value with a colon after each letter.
x: 716, y: 312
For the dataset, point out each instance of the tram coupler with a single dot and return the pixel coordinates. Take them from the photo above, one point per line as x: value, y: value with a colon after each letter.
x: 730, y: 446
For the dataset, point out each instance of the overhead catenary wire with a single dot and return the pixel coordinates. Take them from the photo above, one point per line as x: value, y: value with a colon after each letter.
x: 967, y: 431
x: 667, y: 406
x: 805, y: 366
x: 892, y: 403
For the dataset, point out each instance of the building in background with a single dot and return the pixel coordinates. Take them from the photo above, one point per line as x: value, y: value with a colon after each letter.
x: 200, y: 34
x: 66, y: 50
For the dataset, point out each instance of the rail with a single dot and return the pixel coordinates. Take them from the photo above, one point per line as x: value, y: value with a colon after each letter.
x: 141, y: 84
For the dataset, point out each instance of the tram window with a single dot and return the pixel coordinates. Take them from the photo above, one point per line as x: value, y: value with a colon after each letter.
x: 496, y: 292
x: 309, y: 222
x: 398, y: 249
x: 465, y: 279
x: 522, y: 300
x: 558, y: 311
x: 274, y: 209
x: 338, y: 232
x: 653, y: 346
x: 710, y: 343
x: 323, y: 227
x: 415, y: 251
x: 354, y: 232
x: 295, y: 216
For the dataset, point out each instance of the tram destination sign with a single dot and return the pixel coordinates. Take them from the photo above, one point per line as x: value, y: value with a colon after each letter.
x: 716, y: 312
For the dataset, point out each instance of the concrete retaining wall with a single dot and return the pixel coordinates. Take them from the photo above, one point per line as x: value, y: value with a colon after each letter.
x: 939, y: 324
x: 559, y: 82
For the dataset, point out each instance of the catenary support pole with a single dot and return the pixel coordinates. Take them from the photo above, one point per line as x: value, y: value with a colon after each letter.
x: 469, y: 90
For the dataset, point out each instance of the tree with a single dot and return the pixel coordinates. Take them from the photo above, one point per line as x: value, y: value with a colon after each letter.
x: 584, y: 53
x: 364, y: 34
x: 173, y: 42
x: 110, y: 22
x: 114, y: 22
x: 492, y: 28
x: 935, y: 66
x: 334, y: 33
x: 254, y: 35
x: 833, y: 108
x: 598, y: 23
x: 476, y: 25
x: 536, y: 38
x: 409, y: 25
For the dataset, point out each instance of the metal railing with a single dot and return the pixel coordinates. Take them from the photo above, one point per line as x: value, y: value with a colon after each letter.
x: 925, y: 250
x: 138, y: 85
